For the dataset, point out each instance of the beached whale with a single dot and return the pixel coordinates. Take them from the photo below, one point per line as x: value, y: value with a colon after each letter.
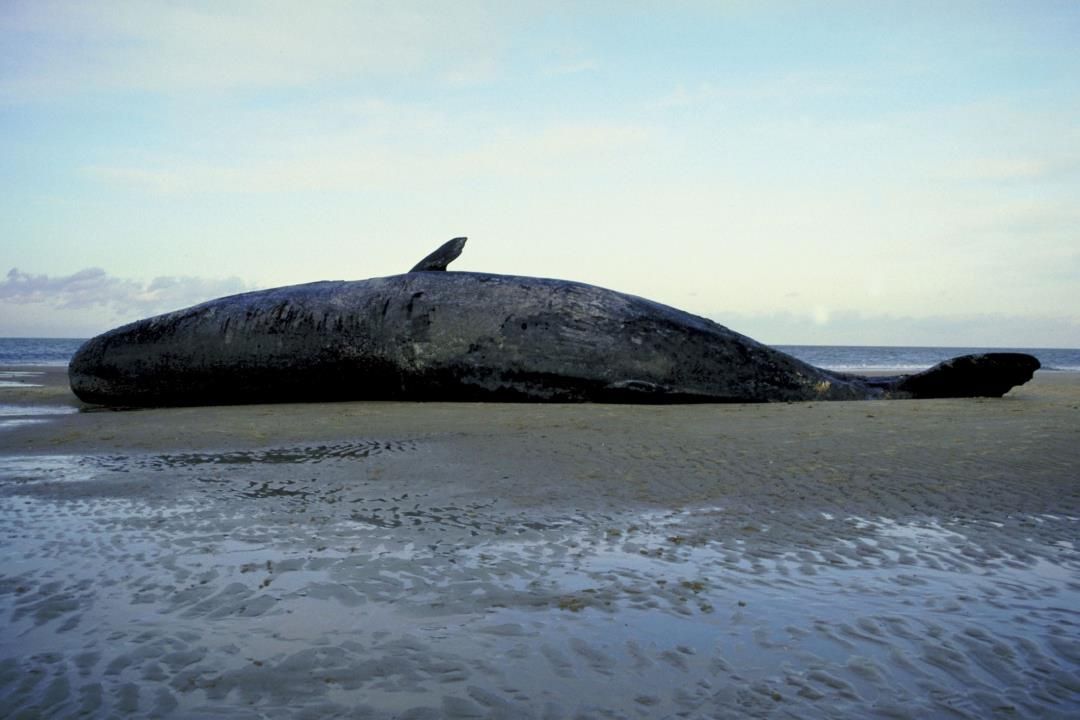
x: 435, y: 335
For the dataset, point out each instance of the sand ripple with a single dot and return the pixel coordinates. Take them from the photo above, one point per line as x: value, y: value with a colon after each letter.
x: 343, y: 580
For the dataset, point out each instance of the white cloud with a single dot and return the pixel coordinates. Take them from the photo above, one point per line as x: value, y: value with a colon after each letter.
x: 1020, y: 168
x: 786, y: 87
x: 58, y: 47
x: 574, y: 67
x: 124, y: 297
x: 941, y: 330
x: 355, y: 160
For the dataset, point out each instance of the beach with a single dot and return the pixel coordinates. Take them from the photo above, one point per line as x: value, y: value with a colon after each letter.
x: 886, y: 559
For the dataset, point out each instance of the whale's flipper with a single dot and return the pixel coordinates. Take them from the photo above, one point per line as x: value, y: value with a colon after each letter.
x: 985, y: 375
x: 438, y: 260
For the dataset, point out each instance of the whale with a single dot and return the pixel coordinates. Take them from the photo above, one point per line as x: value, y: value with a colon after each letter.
x: 434, y: 334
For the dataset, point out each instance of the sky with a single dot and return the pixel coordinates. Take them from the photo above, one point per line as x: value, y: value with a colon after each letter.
x: 868, y: 173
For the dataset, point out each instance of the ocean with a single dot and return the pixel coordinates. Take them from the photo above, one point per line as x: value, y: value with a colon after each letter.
x: 846, y: 358
x: 38, y: 351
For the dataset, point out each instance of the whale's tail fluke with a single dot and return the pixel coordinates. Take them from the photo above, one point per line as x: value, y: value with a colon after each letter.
x: 982, y: 375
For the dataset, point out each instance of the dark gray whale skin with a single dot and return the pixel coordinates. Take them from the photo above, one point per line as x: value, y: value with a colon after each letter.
x: 435, y: 335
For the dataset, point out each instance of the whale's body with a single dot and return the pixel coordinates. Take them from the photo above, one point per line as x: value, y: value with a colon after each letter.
x: 435, y: 335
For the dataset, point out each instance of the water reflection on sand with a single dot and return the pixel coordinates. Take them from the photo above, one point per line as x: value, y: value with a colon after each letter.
x: 20, y: 378
x: 12, y: 416
x: 304, y: 578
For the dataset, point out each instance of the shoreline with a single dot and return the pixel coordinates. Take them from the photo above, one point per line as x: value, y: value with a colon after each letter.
x: 904, y: 558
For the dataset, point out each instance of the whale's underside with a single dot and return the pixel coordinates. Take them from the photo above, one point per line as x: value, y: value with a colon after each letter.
x: 435, y: 335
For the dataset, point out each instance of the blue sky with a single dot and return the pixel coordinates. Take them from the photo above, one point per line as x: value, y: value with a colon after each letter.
x: 831, y: 172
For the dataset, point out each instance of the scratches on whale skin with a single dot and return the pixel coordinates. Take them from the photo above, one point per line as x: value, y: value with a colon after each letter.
x: 420, y: 317
x: 282, y: 311
x: 409, y: 309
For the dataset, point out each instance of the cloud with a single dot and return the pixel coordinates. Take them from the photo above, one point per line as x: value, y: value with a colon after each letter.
x: 575, y: 67
x: 934, y: 330
x: 356, y: 160
x: 786, y: 87
x: 1022, y: 168
x: 58, y: 47
x: 93, y: 288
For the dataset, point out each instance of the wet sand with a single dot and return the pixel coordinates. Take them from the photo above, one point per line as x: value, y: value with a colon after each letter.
x: 815, y: 560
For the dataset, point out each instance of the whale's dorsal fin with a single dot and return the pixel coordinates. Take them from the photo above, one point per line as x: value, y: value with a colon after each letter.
x: 438, y: 260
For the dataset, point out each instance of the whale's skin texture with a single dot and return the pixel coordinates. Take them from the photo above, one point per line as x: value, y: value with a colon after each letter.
x: 436, y: 335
